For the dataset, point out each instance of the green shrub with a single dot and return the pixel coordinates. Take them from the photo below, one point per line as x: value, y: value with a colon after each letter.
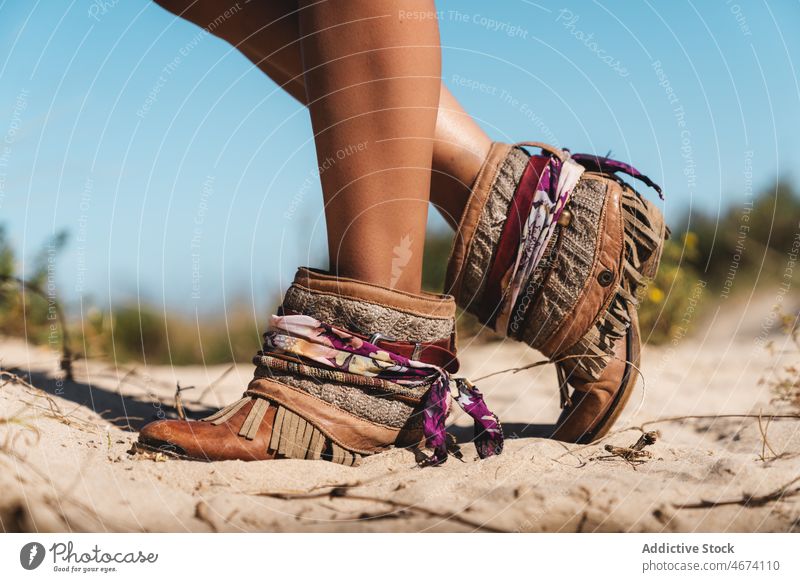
x: 143, y: 333
x: 670, y: 303
x: 129, y: 332
x: 754, y: 237
x: 29, y: 309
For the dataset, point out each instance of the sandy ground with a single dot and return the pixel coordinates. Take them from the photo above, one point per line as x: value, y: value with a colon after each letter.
x: 64, y: 463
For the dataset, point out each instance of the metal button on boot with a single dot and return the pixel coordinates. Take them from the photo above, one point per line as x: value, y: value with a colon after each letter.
x: 605, y: 278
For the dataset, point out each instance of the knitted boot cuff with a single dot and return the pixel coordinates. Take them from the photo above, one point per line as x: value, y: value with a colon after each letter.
x: 368, y: 308
x: 481, y: 225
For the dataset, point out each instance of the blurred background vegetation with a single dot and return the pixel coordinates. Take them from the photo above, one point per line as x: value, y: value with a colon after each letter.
x: 126, y: 332
x: 706, y: 257
x: 744, y: 248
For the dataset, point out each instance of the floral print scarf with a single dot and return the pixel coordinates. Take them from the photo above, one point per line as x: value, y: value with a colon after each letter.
x: 324, y: 344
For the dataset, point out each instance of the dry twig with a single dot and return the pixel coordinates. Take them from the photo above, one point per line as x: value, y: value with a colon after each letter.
x: 748, y: 500
x: 342, y: 493
x: 634, y: 454
x: 179, y: 401
x: 640, y: 427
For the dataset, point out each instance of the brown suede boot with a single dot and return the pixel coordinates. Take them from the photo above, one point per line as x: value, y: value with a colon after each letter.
x: 348, y: 369
x: 552, y: 250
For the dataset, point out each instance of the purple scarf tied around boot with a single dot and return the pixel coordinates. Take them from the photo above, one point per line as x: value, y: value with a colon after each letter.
x: 308, y: 338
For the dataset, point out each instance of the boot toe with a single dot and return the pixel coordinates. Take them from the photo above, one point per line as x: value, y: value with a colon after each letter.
x: 207, y: 441
x: 577, y: 421
x: 168, y: 436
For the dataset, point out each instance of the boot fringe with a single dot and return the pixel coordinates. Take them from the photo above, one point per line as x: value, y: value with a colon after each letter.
x: 253, y: 421
x: 296, y: 438
x: 644, y: 234
x: 226, y: 413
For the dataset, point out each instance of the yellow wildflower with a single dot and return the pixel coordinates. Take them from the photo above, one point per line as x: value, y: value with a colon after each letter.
x: 655, y: 295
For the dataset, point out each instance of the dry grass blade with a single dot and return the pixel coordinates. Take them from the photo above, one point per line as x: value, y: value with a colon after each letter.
x: 52, y: 410
x: 17, y: 419
x: 16, y: 379
x: 531, y: 366
x: 785, y: 380
x: 765, y: 445
x: 213, y: 384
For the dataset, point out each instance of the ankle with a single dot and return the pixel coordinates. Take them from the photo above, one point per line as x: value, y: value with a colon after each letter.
x: 454, y: 176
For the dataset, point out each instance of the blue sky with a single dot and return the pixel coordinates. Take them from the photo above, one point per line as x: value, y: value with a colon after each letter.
x: 173, y: 163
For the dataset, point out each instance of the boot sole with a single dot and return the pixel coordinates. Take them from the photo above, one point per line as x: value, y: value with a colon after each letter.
x: 153, y: 448
x: 623, y: 395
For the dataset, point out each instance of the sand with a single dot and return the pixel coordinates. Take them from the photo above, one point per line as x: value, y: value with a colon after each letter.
x: 65, y: 466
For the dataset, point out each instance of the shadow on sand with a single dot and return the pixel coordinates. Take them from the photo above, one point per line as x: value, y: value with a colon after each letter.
x: 131, y: 412
x: 126, y: 411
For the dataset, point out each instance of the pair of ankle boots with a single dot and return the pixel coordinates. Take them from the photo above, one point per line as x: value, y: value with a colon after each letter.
x: 551, y: 250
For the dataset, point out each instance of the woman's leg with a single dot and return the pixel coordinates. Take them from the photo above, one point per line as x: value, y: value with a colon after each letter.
x: 372, y: 82
x: 373, y: 91
x: 268, y: 33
